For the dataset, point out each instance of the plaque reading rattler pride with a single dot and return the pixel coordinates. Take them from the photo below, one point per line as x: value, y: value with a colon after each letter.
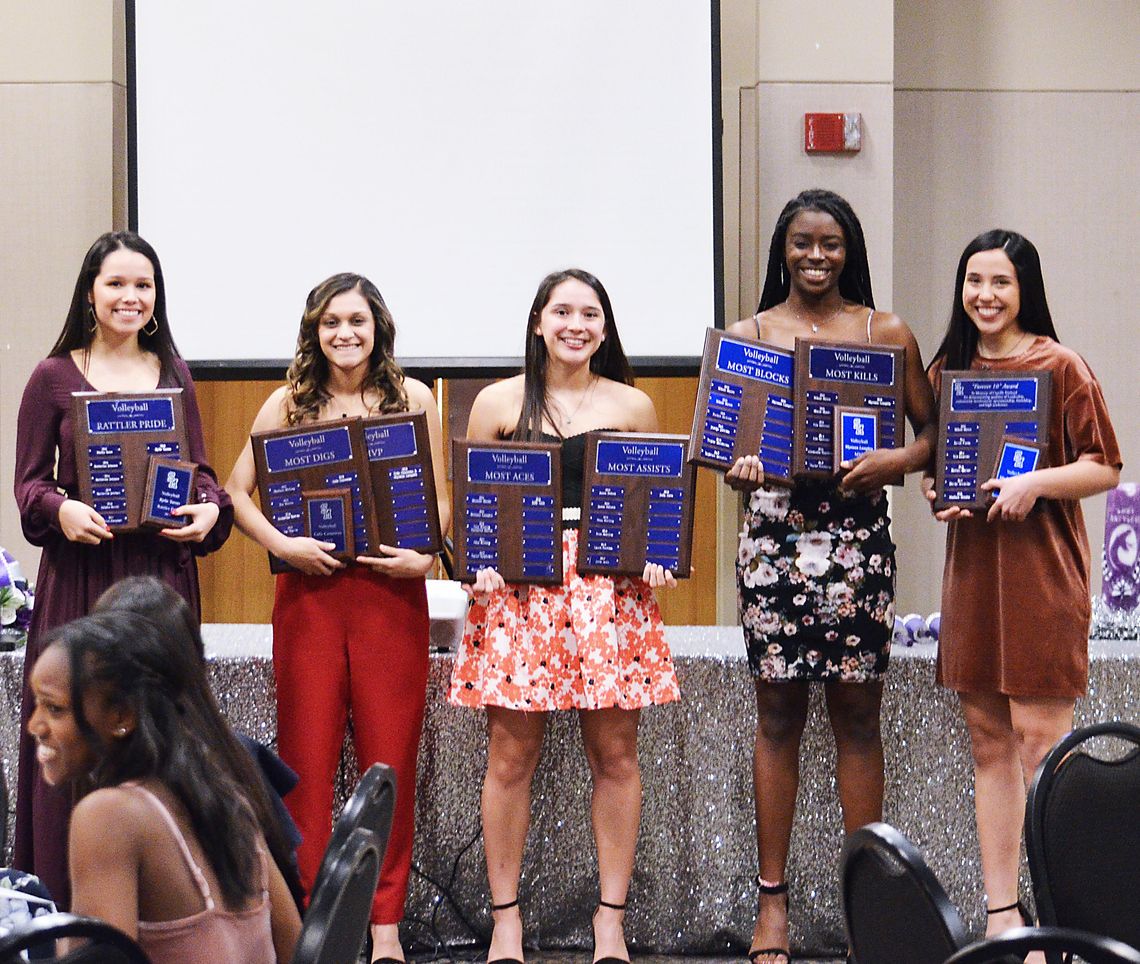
x: 637, y: 504
x: 403, y: 481
x: 978, y: 412
x: 744, y: 406
x: 507, y: 510
x: 116, y: 433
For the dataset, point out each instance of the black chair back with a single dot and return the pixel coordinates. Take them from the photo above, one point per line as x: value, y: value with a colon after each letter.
x: 370, y: 807
x: 105, y: 944
x: 894, y: 908
x: 1082, y: 834
x: 337, y: 919
x: 1014, y: 944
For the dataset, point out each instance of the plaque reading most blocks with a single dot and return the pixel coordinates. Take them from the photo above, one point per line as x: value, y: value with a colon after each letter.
x: 977, y: 412
x: 744, y: 406
x: 637, y: 504
x: 169, y: 485
x: 311, y: 457
x: 507, y: 510
x: 403, y: 481
x: 832, y: 375
x: 116, y: 433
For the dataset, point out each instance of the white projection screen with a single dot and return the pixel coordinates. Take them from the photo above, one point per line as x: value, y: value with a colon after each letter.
x: 453, y: 151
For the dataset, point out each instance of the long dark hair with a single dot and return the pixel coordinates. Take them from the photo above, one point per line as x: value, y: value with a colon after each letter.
x: 854, y: 280
x: 124, y: 658
x: 77, y: 329
x: 309, y: 373
x: 608, y: 361
x: 961, y: 339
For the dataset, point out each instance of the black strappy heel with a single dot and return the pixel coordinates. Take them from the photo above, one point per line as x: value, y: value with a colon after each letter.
x: 771, y: 889
x: 507, y: 906
x: 609, y: 960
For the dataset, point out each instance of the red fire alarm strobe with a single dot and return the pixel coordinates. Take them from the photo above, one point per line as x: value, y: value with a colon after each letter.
x: 833, y: 133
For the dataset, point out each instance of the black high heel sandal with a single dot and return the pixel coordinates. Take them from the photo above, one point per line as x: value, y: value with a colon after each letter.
x: 1026, y: 917
x: 772, y: 889
x: 607, y: 960
x: 507, y: 906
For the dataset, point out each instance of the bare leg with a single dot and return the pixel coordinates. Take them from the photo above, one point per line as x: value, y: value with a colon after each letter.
x: 781, y: 712
x: 610, y: 738
x: 513, y: 747
x: 386, y: 942
x: 854, y: 712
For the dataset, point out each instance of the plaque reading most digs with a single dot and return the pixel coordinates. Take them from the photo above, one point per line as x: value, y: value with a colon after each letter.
x: 832, y: 375
x: 637, y: 504
x: 507, y: 510
x: 744, y: 406
x: 116, y: 433
x: 403, y: 482
x: 977, y: 411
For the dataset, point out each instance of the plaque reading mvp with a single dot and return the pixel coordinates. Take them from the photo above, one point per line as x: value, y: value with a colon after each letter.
x: 744, y: 406
x: 637, y: 504
x: 403, y: 481
x: 312, y: 457
x: 977, y: 410
x: 507, y: 510
x: 831, y: 375
x: 116, y: 433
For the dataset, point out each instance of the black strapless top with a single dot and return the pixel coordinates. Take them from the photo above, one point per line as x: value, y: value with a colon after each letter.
x: 573, y: 469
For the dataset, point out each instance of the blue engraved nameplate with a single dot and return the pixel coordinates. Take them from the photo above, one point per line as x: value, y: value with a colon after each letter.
x: 170, y: 485
x: 857, y: 432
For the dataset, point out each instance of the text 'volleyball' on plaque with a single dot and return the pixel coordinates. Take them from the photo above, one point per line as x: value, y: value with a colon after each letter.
x: 311, y: 457
x: 327, y: 517
x: 744, y: 406
x: 169, y: 486
x: 982, y: 416
x: 507, y: 510
x: 116, y: 433
x: 403, y: 481
x: 838, y: 375
x: 637, y: 504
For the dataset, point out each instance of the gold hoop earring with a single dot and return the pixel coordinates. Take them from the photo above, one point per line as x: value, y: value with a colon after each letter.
x: 152, y: 331
x: 94, y: 321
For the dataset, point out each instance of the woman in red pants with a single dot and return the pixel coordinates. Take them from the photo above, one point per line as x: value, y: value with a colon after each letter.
x: 347, y: 637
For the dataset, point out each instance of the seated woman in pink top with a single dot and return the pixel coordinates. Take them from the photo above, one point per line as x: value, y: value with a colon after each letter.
x: 162, y: 843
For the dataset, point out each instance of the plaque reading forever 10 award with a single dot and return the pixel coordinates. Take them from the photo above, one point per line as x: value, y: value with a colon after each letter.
x: 847, y: 377
x: 403, y: 481
x: 744, y: 406
x: 637, y: 504
x: 982, y: 416
x: 312, y: 457
x: 507, y: 510
x: 116, y: 433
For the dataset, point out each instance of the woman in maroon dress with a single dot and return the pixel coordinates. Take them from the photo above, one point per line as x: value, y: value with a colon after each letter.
x: 116, y: 338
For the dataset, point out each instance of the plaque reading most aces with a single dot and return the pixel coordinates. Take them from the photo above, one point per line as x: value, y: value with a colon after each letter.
x: 116, y: 433
x: 507, y: 510
x: 832, y: 375
x: 637, y: 504
x: 977, y: 411
x: 310, y: 457
x: 744, y: 406
x: 403, y: 482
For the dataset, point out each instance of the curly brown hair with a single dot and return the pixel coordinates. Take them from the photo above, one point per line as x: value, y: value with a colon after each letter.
x: 309, y: 372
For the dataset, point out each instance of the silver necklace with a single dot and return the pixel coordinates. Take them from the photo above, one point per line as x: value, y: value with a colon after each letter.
x: 1005, y: 354
x: 568, y: 419
x: 816, y: 325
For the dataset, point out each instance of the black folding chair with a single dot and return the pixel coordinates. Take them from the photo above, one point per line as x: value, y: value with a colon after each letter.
x: 1014, y: 944
x: 370, y: 807
x: 105, y: 944
x: 893, y: 906
x: 1082, y: 834
x: 337, y: 919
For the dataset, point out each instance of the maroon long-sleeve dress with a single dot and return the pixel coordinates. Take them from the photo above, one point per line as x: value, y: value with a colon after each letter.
x: 73, y: 575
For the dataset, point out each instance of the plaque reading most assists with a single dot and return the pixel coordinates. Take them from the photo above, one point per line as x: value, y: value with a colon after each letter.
x: 637, y: 504
x: 507, y: 510
x: 744, y: 406
x: 116, y: 433
x: 850, y: 376
x: 978, y: 410
x: 403, y: 481
x: 328, y: 518
x: 169, y: 486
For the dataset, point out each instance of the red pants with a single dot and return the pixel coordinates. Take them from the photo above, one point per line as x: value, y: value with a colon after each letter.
x: 354, y: 641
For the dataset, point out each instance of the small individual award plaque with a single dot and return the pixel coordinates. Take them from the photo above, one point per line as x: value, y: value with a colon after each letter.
x: 637, y: 504
x: 831, y: 375
x: 507, y: 510
x: 311, y: 457
x: 856, y: 432
x: 116, y: 433
x: 978, y: 412
x: 169, y: 485
x: 328, y: 518
x: 403, y: 481
x: 744, y: 406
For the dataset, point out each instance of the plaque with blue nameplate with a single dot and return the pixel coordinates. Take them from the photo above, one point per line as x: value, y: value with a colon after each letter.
x: 988, y: 422
x: 507, y: 510
x: 637, y: 504
x: 169, y: 486
x: 328, y: 517
x: 403, y: 481
x: 856, y: 432
x: 116, y: 434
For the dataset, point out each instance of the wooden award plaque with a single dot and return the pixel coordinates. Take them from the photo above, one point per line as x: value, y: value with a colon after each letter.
x: 507, y: 510
x: 978, y: 410
x: 328, y: 518
x: 403, y: 481
x: 116, y: 433
x: 856, y: 431
x: 744, y: 406
x: 637, y: 504
x: 169, y: 485
x: 311, y: 457
x: 832, y: 375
